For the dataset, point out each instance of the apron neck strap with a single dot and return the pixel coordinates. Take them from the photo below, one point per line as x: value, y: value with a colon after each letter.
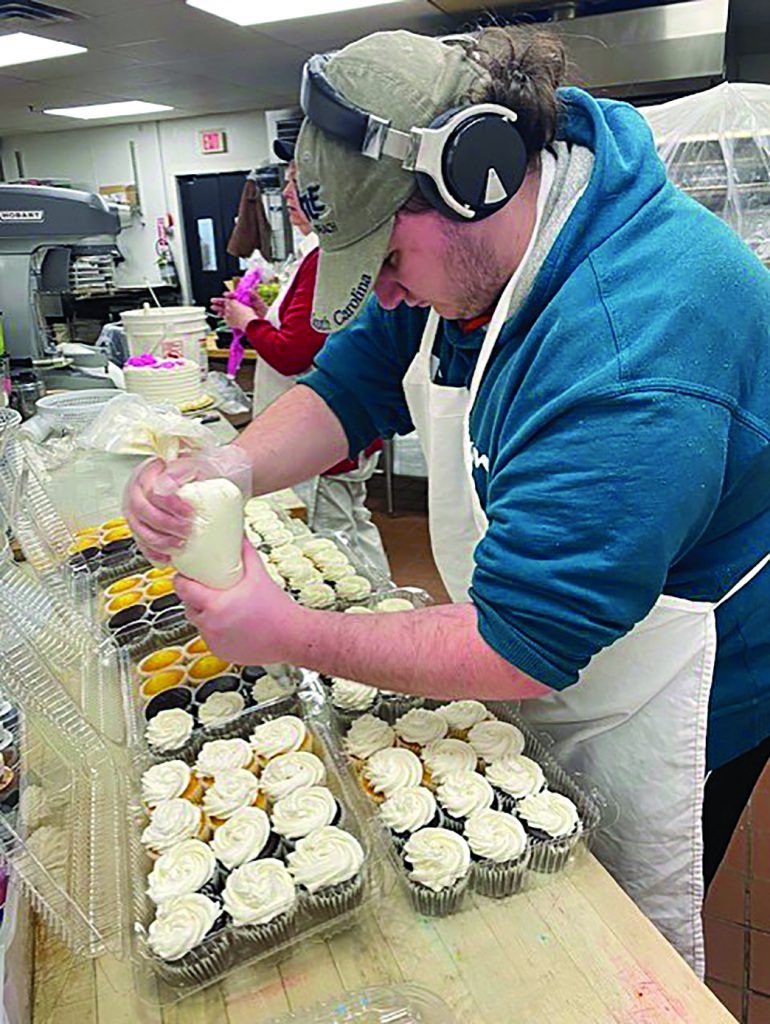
x: 743, y: 581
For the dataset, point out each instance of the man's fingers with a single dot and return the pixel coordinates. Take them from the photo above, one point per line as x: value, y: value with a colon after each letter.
x: 194, y: 594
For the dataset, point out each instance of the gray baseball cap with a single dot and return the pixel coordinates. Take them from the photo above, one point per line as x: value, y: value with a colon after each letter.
x: 351, y: 199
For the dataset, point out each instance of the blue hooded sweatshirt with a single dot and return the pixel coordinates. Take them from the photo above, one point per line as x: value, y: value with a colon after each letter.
x: 625, y: 417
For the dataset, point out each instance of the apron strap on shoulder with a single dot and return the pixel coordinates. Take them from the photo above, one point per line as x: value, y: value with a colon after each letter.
x: 743, y: 581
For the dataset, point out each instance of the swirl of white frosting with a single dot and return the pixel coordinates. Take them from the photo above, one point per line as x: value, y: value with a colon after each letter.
x: 439, y: 857
x: 221, y: 707
x: 299, y: 568
x: 258, y: 892
x: 496, y: 836
x: 165, y: 781
x: 223, y: 756
x: 183, y: 869
x: 171, y: 822
x: 408, y: 809
x: 517, y: 775
x: 349, y: 695
x: 368, y: 734
x: 276, y: 536
x: 316, y: 595
x: 304, y: 810
x: 169, y: 730
x: 181, y: 924
x: 289, y: 772
x: 257, y: 507
x: 278, y: 736
x: 496, y: 740
x: 284, y: 552
x: 231, y: 792
x: 330, y: 558
x: 551, y: 813
x: 337, y: 572
x: 326, y: 857
x: 311, y: 545
x: 394, y: 604
x: 462, y: 793
x: 242, y: 837
x: 358, y: 609
x: 420, y: 726
x: 353, y: 588
x: 443, y: 757
x: 392, y: 769
x: 460, y: 715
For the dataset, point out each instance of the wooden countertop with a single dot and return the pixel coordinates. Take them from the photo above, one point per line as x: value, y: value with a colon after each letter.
x: 575, y: 952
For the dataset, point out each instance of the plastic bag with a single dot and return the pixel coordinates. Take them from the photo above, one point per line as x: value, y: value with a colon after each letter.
x: 212, y: 553
x: 130, y: 425
x: 228, y: 462
x: 228, y: 395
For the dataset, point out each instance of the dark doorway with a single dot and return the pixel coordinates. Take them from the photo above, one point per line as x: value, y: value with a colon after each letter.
x: 209, y: 208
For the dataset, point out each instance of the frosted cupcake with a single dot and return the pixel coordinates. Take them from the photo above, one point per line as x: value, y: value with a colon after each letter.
x: 317, y: 595
x: 329, y: 558
x: 303, y: 811
x: 419, y: 727
x: 409, y: 810
x: 352, y: 588
x: 389, y: 770
x: 188, y: 867
x: 442, y: 757
x: 256, y: 507
x: 336, y: 572
x: 394, y: 604
x: 553, y: 822
x: 365, y: 737
x: 461, y: 794
x: 275, y: 536
x: 500, y: 851
x: 358, y: 609
x: 439, y: 864
x: 245, y: 836
x: 461, y: 715
x: 514, y: 778
x: 220, y: 712
x: 350, y: 699
x: 312, y: 545
x: 284, y: 552
x: 299, y: 571
x: 170, y: 732
x: 260, y: 899
x: 188, y: 939
x: 231, y: 792
x: 224, y: 756
x: 494, y: 741
x: 290, y: 772
x: 327, y: 866
x: 169, y: 780
x: 282, y: 735
x: 172, y: 822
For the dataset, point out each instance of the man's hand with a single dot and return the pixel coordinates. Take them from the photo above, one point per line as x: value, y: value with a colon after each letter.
x: 249, y: 624
x: 159, y: 522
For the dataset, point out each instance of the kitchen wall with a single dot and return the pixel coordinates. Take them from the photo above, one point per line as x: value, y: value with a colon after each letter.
x: 94, y: 157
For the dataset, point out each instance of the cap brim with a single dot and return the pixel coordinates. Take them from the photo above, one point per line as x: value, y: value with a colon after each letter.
x: 346, y: 278
x: 284, y: 150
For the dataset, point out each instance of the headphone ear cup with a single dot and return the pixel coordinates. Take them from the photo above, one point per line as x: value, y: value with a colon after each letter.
x: 430, y: 193
x: 484, y: 163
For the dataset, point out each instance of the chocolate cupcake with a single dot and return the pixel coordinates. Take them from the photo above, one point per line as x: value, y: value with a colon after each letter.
x: 164, y: 603
x: 461, y: 794
x: 303, y: 811
x: 245, y: 836
x: 393, y: 705
x: 350, y: 700
x: 500, y: 851
x: 438, y: 862
x: 260, y: 899
x: 188, y: 940
x: 327, y: 866
x: 495, y: 740
x: 188, y: 867
x: 221, y: 713
x: 514, y: 778
x: 409, y: 810
x: 553, y: 822
x: 127, y: 617
x: 169, y: 731
x: 289, y: 772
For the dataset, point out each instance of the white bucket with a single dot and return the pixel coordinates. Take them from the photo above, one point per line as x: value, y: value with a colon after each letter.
x: 168, y: 330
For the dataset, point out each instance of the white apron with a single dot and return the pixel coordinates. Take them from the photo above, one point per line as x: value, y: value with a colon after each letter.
x: 636, y: 720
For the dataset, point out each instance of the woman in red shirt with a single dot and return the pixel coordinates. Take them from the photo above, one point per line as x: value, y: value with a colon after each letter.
x: 286, y: 344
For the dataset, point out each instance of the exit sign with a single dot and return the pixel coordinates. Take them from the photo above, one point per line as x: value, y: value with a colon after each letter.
x: 213, y: 142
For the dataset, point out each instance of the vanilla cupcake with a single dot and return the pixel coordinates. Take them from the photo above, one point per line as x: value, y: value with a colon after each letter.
x: 494, y: 740
x: 419, y: 727
x: 284, y: 552
x: 350, y: 699
x: 231, y: 792
x: 298, y: 572
x: 170, y: 732
x: 442, y: 757
x: 312, y: 545
x: 188, y: 867
x: 276, y: 536
x: 224, y: 756
x: 553, y: 822
x: 394, y: 604
x: 439, y: 863
x: 278, y: 736
x: 461, y: 715
x: 515, y: 778
x: 389, y: 770
x: 352, y: 588
x: 301, y: 812
x: 169, y: 780
x: 407, y: 811
x: 461, y: 794
x: 317, y: 595
x: 327, y: 866
x: 365, y: 736
x: 245, y: 836
x: 330, y: 557
x: 289, y: 772
x: 336, y: 572
x: 187, y: 939
x: 172, y: 822
x: 500, y: 851
x: 260, y: 899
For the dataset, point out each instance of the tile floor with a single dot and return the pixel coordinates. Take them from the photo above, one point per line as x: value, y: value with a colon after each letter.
x: 737, y: 911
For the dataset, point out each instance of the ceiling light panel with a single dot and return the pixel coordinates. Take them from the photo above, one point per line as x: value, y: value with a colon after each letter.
x: 23, y: 48
x: 257, y: 12
x: 128, y: 108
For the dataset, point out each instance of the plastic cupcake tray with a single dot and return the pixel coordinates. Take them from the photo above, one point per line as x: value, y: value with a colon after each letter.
x: 397, y: 1004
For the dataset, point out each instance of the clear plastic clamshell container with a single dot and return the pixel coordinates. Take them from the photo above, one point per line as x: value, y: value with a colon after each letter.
x: 397, y: 1004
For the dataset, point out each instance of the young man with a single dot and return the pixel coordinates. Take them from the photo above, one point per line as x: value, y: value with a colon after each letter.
x: 591, y: 391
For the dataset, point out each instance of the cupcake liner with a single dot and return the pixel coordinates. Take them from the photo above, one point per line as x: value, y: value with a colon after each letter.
x: 550, y: 856
x: 499, y: 880
x: 337, y: 899
x: 344, y: 718
x: 438, y: 904
x: 250, y: 939
x: 505, y: 802
x: 392, y: 708
x: 212, y: 958
x: 400, y: 839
